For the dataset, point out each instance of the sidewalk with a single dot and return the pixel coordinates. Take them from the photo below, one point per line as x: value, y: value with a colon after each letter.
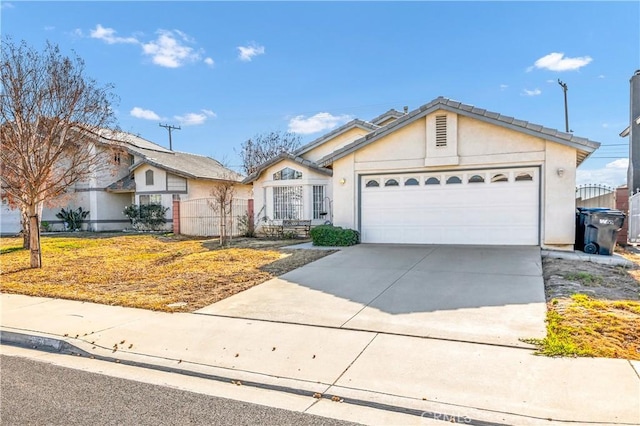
x: 417, y: 377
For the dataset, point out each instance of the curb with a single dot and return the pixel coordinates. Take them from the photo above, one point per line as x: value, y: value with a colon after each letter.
x: 56, y: 345
x: 614, y: 260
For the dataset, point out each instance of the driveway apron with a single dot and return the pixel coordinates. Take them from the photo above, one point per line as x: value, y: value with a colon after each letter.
x: 484, y: 294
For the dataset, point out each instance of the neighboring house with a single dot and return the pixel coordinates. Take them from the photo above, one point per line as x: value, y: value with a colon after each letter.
x: 445, y: 173
x: 141, y: 173
x: 633, y: 132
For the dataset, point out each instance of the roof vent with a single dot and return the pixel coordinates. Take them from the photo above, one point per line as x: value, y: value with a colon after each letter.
x: 441, y: 130
x: 406, y: 109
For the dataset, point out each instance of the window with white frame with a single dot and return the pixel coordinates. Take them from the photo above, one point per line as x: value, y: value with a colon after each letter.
x: 318, y: 202
x: 287, y: 174
x: 150, y: 199
x: 287, y: 202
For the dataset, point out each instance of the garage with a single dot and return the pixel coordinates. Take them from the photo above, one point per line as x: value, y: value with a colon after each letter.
x: 488, y: 206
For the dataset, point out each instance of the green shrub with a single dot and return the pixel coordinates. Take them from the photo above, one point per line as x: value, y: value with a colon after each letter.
x: 72, y: 218
x: 328, y: 235
x: 146, y: 216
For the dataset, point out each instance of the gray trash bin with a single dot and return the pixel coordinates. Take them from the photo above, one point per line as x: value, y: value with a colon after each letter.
x: 597, y: 230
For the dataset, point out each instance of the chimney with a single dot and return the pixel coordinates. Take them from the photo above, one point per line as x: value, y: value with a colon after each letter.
x: 406, y: 108
x: 633, y: 174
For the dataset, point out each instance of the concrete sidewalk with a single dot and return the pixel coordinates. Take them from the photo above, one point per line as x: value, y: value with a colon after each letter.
x: 418, y: 378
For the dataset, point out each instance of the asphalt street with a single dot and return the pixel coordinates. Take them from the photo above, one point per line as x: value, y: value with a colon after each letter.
x: 36, y: 393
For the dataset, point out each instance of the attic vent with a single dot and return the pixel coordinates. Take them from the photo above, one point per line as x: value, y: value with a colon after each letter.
x: 441, y: 130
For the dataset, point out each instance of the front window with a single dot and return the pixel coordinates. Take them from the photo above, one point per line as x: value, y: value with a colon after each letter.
x: 318, y: 202
x: 287, y: 174
x: 287, y: 202
x: 150, y: 199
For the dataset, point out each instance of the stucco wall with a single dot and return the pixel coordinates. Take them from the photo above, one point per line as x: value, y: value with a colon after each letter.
x: 479, y: 144
x: 202, y: 189
x: 159, y: 180
x: 337, y: 142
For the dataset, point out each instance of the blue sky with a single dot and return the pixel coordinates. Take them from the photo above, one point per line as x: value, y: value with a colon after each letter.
x: 226, y: 71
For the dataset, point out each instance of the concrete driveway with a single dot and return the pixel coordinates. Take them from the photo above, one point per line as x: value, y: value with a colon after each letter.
x: 483, y: 294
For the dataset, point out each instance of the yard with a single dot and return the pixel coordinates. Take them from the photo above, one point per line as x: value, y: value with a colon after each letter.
x: 164, y: 273
x: 593, y: 309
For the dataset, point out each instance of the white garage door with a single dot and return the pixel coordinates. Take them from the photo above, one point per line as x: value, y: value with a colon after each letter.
x: 463, y: 207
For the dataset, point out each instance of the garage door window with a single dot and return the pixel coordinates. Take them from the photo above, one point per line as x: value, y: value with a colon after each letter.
x: 391, y: 182
x: 523, y: 177
x: 476, y: 179
x: 372, y: 183
x: 453, y: 180
x: 432, y: 181
x: 411, y: 182
x: 499, y: 178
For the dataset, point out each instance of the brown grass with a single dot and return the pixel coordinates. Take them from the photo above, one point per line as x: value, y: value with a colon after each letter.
x: 593, y: 310
x: 142, y: 271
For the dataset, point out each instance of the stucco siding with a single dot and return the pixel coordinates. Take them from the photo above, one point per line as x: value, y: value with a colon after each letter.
x: 202, y: 189
x: 335, y: 143
x: 159, y: 180
x: 559, y: 196
x: 479, y: 145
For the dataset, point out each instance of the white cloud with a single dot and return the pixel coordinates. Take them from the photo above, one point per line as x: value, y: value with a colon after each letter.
x: 145, y: 114
x: 558, y: 62
x: 49, y: 28
x: 169, y: 49
x: 108, y: 35
x: 209, y: 61
x: 6, y: 5
x: 316, y: 123
x: 247, y: 53
x: 195, y: 118
x: 612, y: 174
x: 504, y: 86
x: 534, y: 92
x: 601, y: 76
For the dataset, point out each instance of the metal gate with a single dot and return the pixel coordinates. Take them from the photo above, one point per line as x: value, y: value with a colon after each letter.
x: 595, y: 196
x: 634, y: 219
x: 199, y: 217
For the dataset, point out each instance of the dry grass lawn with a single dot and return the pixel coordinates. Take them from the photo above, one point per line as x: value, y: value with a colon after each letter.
x: 142, y: 271
x: 593, y: 309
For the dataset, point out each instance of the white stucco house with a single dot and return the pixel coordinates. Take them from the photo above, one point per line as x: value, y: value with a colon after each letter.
x: 142, y: 172
x: 445, y: 173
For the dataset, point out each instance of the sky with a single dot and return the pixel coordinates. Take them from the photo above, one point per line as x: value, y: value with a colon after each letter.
x: 225, y: 72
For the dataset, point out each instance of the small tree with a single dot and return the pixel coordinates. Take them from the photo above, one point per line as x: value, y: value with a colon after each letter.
x: 263, y: 147
x: 50, y: 111
x: 222, y: 202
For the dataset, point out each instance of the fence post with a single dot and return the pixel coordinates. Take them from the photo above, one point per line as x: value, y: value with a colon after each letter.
x: 250, y: 217
x: 176, y: 214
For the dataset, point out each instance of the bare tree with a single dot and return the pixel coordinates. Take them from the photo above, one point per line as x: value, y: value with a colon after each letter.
x: 265, y: 146
x: 222, y: 203
x: 50, y: 112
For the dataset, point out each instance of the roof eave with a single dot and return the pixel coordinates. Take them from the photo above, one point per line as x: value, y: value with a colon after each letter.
x: 439, y: 105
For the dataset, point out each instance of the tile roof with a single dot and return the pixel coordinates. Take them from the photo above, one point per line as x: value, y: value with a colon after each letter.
x: 584, y: 146
x: 335, y: 132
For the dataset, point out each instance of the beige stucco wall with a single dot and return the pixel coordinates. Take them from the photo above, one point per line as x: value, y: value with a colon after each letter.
x: 200, y: 188
x: 335, y: 143
x: 479, y: 144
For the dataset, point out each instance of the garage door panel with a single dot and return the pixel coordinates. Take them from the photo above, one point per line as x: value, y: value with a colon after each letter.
x: 468, y: 213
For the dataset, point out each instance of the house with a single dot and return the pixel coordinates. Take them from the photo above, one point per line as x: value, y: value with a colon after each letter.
x: 133, y: 171
x: 633, y: 133
x: 445, y: 173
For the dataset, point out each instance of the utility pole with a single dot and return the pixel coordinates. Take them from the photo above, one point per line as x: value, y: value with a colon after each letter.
x: 170, y: 128
x: 566, y: 108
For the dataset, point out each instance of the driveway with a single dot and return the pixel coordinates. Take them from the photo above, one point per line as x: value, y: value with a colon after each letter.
x: 484, y: 294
